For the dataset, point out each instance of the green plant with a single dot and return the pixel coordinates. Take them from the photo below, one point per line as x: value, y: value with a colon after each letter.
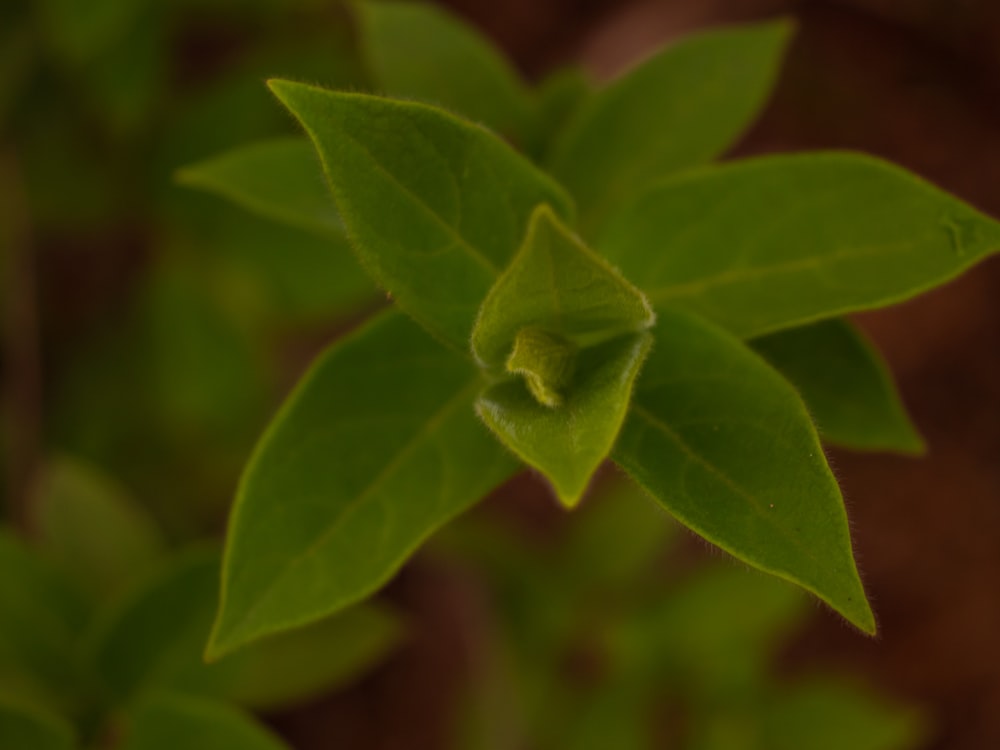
x: 102, y: 627
x: 615, y: 295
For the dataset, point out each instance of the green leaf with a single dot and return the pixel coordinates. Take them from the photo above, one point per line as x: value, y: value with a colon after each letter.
x: 846, y: 386
x: 565, y: 320
x: 615, y: 537
x: 713, y: 633
x: 680, y: 108
x: 848, y: 717
x: 279, y: 178
x: 41, y: 618
x: 377, y: 448
x: 557, y: 98
x: 435, y: 206
x: 726, y: 445
x: 568, y: 442
x: 79, y: 32
x: 154, y: 639
x: 167, y: 722
x: 270, y: 270
x: 283, y: 670
x: 778, y: 242
x: 91, y: 529
x: 556, y: 285
x: 420, y: 51
x: 23, y: 728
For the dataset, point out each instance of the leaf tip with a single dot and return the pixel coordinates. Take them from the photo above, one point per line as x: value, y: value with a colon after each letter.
x: 285, y: 90
x: 220, y: 643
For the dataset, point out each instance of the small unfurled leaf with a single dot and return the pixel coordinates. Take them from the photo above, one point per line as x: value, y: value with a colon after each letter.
x: 377, y: 448
x: 41, y: 619
x: 680, y: 108
x: 726, y: 445
x: 845, y: 384
x: 420, y: 51
x: 778, y: 242
x: 435, y: 206
x: 23, y: 728
x: 558, y: 286
x: 568, y: 441
x: 569, y: 324
x: 280, y: 178
x: 155, y: 638
x: 166, y: 721
x: 91, y: 529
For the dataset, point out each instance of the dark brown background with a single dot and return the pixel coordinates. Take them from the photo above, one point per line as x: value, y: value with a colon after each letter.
x: 914, y: 81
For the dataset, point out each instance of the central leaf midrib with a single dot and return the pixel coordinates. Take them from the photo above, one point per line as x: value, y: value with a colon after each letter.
x: 693, y: 455
x: 430, y: 426
x: 734, y: 276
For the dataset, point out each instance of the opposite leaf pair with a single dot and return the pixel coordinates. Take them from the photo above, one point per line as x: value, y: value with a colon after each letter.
x: 379, y: 446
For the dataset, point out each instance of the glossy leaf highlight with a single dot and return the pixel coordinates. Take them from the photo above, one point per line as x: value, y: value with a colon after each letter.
x: 777, y: 242
x: 377, y: 447
x: 726, y: 445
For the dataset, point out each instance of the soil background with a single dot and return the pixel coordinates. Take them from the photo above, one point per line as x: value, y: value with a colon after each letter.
x: 916, y: 82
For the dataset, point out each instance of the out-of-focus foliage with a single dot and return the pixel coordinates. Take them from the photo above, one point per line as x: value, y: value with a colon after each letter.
x: 600, y: 644
x: 160, y: 310
x: 86, y: 635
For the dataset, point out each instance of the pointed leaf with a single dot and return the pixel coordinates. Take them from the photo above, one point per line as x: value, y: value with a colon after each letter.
x: 846, y: 386
x: 777, y: 242
x: 435, y: 206
x: 165, y: 721
x: 726, y: 445
x: 23, y: 728
x: 557, y: 285
x: 680, y: 108
x: 569, y: 442
x: 377, y: 448
x: 849, y: 716
x: 91, y: 529
x: 420, y: 51
x: 155, y: 637
x: 280, y: 179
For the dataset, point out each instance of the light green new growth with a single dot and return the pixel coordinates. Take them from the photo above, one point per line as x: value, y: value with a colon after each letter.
x: 546, y: 361
x: 573, y: 328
